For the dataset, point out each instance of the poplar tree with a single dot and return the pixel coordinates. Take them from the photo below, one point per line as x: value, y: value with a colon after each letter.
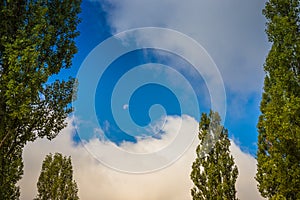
x: 36, y: 42
x: 56, y: 179
x: 213, y: 172
x: 278, y: 155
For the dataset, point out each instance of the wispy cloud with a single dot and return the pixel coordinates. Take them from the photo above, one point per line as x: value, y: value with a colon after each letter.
x: 232, y: 32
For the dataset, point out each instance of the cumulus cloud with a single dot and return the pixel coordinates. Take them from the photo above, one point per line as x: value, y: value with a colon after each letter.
x: 246, y: 185
x: 96, y: 181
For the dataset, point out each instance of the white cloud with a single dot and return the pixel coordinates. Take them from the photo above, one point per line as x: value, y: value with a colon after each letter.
x: 173, y: 128
x: 231, y: 31
x: 96, y: 181
x: 246, y: 185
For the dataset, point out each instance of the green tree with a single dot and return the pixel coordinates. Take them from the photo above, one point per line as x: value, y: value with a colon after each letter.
x: 36, y: 42
x: 213, y: 172
x: 278, y: 155
x: 56, y: 179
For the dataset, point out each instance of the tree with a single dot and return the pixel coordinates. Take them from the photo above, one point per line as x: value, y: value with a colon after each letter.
x: 36, y: 42
x: 213, y: 172
x: 56, y: 179
x: 278, y: 154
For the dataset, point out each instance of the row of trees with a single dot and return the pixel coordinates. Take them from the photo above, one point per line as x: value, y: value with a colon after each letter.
x: 37, y: 41
x: 278, y: 154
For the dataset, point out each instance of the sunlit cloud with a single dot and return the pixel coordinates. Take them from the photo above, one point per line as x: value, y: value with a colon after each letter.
x: 96, y: 181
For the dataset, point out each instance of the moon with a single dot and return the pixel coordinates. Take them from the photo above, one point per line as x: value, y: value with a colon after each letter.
x: 125, y: 106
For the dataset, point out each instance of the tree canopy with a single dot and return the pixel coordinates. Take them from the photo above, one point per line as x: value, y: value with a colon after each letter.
x: 36, y: 42
x: 278, y: 154
x: 213, y: 172
x: 56, y: 179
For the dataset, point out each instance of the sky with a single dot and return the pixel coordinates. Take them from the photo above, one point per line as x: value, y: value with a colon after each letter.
x: 146, y: 72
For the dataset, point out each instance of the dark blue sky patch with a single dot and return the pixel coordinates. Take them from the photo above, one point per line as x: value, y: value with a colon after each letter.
x: 146, y: 96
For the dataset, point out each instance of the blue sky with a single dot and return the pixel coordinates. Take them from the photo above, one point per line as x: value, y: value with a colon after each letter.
x: 241, y: 68
x: 138, y: 109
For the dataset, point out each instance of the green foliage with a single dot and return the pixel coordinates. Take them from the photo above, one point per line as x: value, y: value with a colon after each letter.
x: 213, y: 172
x: 56, y: 179
x: 36, y: 41
x: 12, y: 167
x: 278, y: 154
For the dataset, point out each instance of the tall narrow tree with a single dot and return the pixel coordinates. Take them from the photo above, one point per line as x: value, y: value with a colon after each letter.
x: 36, y: 41
x: 278, y: 155
x: 213, y: 172
x: 56, y: 179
